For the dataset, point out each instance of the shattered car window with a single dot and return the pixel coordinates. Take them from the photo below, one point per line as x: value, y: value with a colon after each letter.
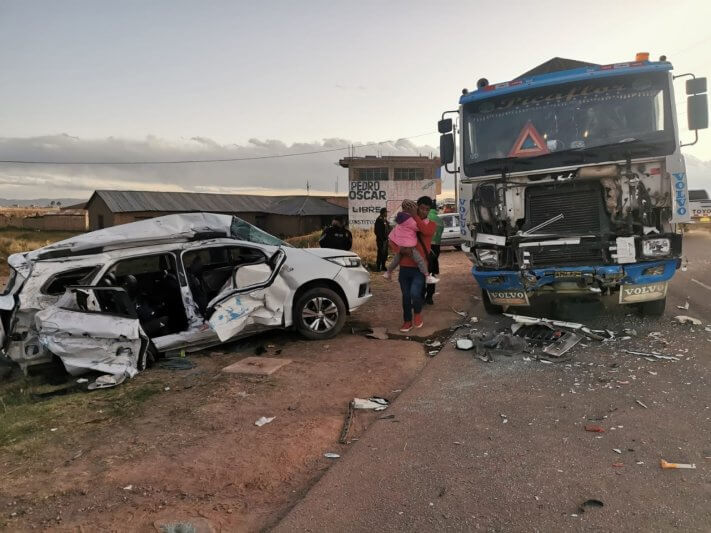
x: 58, y: 283
x: 246, y: 232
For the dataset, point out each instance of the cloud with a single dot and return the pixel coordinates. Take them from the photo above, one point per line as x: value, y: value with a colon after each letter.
x: 283, y: 174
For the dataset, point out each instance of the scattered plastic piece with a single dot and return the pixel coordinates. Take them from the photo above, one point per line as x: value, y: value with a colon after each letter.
x: 263, y: 420
x: 683, y: 319
x: 460, y: 313
x: 618, y: 465
x: 594, y: 428
x: 590, y: 504
x: 331, y: 455
x: 473, y: 320
x: 465, y: 344
x: 562, y: 345
x: 652, y: 355
x: 684, y: 307
x: 128, y: 487
x: 374, y: 403
x: 670, y: 466
x: 640, y: 403
x: 616, y: 450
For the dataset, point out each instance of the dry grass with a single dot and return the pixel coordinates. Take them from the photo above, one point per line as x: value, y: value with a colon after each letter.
x: 17, y: 240
x: 363, y: 244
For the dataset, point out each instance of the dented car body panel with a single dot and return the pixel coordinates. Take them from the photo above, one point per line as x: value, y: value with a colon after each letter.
x: 98, y: 301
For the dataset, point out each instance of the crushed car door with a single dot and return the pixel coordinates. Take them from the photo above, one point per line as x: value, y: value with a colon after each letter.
x: 94, y: 328
x: 254, y: 296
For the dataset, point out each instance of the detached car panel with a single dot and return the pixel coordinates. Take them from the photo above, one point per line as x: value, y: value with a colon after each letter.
x: 110, y: 299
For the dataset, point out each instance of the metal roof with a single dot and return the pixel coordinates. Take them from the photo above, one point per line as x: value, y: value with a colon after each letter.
x: 189, y: 202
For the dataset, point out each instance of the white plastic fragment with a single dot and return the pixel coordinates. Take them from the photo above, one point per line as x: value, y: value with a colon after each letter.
x: 616, y: 450
x: 263, y: 420
x: 331, y: 455
x: 465, y: 344
x: 376, y: 404
x: 684, y: 307
x: 683, y: 319
x: 128, y: 487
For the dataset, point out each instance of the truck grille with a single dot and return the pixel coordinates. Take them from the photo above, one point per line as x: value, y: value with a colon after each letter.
x: 581, y: 205
x: 565, y: 256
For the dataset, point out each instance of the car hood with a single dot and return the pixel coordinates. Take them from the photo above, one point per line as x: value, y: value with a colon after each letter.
x: 325, y: 253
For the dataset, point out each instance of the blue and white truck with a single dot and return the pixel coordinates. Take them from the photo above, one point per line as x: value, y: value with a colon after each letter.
x: 572, y: 180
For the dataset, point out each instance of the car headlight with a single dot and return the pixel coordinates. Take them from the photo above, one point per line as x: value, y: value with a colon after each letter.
x: 347, y: 261
x: 656, y: 247
x: 489, y: 258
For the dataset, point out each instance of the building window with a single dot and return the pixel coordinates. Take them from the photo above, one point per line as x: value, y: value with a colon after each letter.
x: 409, y: 174
x: 372, y: 174
x: 101, y: 221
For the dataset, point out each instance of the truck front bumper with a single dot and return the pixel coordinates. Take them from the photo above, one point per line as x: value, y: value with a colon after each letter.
x: 517, y: 286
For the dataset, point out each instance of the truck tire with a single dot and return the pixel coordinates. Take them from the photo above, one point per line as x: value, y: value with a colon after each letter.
x: 319, y: 313
x: 653, y: 308
x: 490, y: 308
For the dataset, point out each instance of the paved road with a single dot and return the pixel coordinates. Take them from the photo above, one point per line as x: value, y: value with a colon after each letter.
x: 501, y: 446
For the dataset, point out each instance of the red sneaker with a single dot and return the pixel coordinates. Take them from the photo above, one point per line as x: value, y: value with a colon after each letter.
x: 407, y: 326
x: 418, y: 320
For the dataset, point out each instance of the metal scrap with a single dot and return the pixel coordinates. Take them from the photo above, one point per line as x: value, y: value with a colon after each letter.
x: 563, y: 344
x: 652, y: 355
x: 683, y: 319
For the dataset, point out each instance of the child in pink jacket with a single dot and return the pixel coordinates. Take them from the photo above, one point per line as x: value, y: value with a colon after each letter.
x: 404, y: 236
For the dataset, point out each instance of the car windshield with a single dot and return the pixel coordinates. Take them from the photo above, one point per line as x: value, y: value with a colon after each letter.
x: 522, y: 126
x: 450, y: 222
x: 244, y: 231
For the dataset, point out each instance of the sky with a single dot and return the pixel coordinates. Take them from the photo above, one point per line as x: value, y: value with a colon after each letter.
x: 170, y: 79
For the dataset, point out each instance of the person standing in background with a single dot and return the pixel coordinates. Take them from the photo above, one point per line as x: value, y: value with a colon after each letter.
x: 382, y: 230
x: 433, y: 257
x: 336, y: 236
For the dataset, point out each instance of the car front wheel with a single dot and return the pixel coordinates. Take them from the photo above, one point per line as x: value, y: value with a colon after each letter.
x: 319, y: 313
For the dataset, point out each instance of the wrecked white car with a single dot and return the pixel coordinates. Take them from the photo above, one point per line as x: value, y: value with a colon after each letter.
x: 112, y: 300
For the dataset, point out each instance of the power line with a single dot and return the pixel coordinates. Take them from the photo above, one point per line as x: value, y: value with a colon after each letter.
x: 197, y: 161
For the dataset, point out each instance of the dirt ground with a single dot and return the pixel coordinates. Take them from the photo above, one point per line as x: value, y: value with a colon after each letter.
x: 175, y: 445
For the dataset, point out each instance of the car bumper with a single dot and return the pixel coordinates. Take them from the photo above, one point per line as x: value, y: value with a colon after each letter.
x: 355, y: 283
x: 581, y: 279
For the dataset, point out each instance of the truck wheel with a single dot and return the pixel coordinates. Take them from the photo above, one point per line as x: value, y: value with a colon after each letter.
x: 488, y: 306
x: 653, y: 308
x: 319, y: 314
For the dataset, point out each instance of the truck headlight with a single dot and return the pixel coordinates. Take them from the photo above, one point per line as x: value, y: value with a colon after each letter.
x: 489, y: 258
x: 656, y: 247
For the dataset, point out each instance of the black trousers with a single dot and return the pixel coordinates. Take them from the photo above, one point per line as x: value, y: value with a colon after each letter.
x: 382, y: 259
x: 433, y: 260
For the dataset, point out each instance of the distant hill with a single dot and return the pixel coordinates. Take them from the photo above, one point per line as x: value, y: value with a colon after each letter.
x: 41, y: 202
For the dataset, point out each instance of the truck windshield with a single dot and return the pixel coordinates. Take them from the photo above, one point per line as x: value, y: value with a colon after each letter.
x: 599, y: 119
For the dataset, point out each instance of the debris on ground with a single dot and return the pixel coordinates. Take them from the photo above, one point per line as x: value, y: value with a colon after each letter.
x: 652, y: 355
x: 465, y: 344
x: 331, y: 455
x: 375, y: 403
x: 684, y: 319
x: 108, y: 380
x: 590, y: 504
x: 176, y: 363
x: 641, y: 404
x: 264, y: 420
x: 563, y: 344
x: 460, y: 313
x: 670, y: 466
x: 473, y: 320
x: 684, y: 307
x: 343, y: 438
x: 379, y: 333
x: 594, y: 428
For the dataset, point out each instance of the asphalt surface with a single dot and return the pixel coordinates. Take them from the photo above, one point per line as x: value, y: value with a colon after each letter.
x: 502, y: 446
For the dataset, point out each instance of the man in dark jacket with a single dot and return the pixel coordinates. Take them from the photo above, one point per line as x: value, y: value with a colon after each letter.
x: 382, y: 230
x: 336, y: 236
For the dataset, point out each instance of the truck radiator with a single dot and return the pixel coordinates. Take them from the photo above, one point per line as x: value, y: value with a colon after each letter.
x: 580, y: 204
x: 583, y: 209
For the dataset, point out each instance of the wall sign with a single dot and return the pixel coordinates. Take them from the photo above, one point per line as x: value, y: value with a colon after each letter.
x: 367, y: 198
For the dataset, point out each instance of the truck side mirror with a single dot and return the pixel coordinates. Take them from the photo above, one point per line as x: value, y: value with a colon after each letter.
x: 446, y: 148
x: 697, y: 112
x: 444, y: 125
x: 696, y: 86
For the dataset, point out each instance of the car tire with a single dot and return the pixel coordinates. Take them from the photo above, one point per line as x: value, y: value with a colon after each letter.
x: 490, y: 308
x: 319, y: 313
x: 653, y: 308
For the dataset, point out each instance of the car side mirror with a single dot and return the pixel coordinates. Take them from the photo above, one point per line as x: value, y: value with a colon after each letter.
x: 446, y: 148
x: 444, y: 125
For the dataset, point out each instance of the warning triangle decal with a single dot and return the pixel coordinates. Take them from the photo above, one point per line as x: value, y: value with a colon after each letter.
x: 529, y: 143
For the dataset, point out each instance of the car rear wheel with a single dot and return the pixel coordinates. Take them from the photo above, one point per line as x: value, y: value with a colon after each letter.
x: 653, y: 308
x: 319, y: 313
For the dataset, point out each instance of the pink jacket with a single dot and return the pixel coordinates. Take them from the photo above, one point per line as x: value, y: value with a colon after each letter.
x: 405, y: 233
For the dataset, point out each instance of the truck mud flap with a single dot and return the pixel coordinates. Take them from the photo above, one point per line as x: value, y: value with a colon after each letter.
x: 644, y: 292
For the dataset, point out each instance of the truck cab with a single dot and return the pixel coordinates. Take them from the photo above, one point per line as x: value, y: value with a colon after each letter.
x: 573, y: 182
